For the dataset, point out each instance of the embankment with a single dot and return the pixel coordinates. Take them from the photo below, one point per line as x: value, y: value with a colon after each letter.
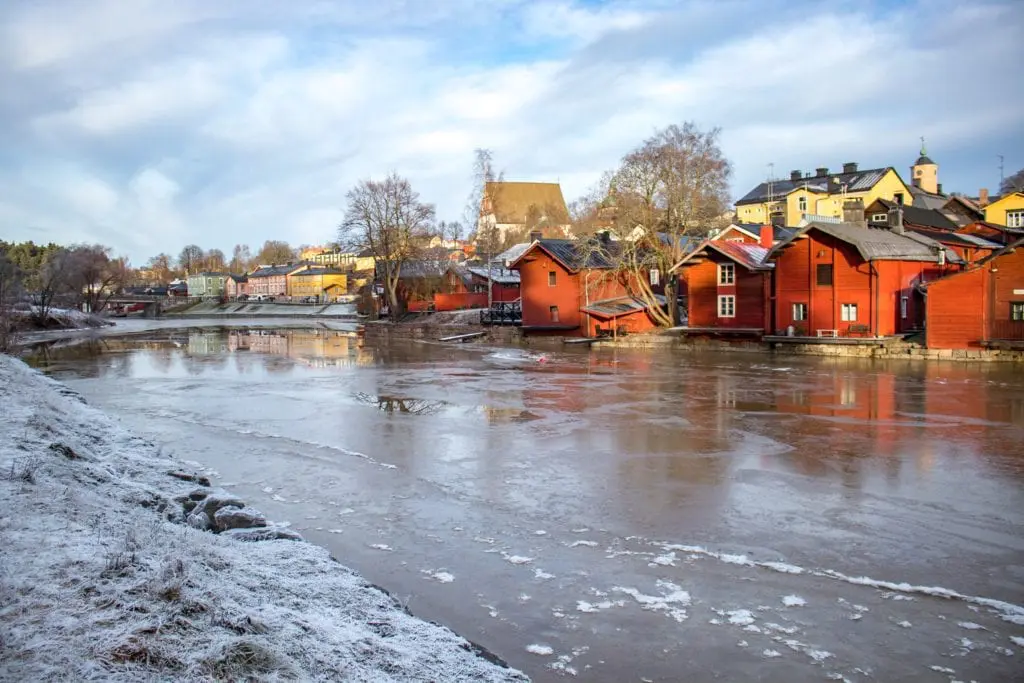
x: 119, y: 564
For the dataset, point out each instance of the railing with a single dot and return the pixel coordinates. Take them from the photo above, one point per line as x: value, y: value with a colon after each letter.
x: 1012, y: 330
x: 502, y: 313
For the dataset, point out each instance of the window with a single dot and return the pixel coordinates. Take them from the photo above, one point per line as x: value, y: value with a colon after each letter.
x: 824, y: 274
x: 727, y: 306
x: 1015, y: 219
x: 918, y: 172
x: 553, y: 310
x: 802, y: 204
x: 799, y: 312
x: 552, y: 278
x: 849, y: 313
x: 903, y: 307
x: 726, y: 273
x: 1017, y: 310
x: 898, y: 197
x: 880, y: 218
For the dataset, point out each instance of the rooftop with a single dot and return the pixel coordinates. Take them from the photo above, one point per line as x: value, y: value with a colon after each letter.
x: 619, y: 306
x: 832, y: 183
x: 914, y: 215
x: 875, y: 243
x: 511, y: 202
x: 269, y: 271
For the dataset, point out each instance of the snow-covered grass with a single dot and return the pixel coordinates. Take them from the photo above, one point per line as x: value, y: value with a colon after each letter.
x: 99, y: 579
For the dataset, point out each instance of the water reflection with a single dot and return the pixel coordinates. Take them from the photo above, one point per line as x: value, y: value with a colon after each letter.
x: 398, y: 404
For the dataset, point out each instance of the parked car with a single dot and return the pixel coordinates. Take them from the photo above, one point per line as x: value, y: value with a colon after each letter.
x: 308, y: 300
x: 242, y: 297
x: 264, y: 297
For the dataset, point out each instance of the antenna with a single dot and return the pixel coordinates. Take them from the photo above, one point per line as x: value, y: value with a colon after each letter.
x: 1000, y: 157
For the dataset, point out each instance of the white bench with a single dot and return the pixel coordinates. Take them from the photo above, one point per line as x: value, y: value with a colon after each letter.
x: 828, y: 333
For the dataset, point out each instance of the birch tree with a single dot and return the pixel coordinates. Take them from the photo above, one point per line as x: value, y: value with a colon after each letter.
x: 388, y: 219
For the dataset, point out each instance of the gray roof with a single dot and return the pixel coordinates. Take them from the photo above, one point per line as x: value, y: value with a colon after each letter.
x: 503, y: 276
x: 612, y: 308
x: 927, y: 200
x: 268, y: 271
x: 858, y: 181
x: 576, y: 255
x: 512, y: 253
x: 877, y: 243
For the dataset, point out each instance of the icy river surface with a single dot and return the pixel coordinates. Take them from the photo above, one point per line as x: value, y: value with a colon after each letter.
x: 619, y: 515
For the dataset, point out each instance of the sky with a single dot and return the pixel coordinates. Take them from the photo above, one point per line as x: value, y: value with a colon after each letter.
x: 146, y: 125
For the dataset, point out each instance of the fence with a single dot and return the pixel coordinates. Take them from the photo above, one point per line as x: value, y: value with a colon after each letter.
x: 460, y: 301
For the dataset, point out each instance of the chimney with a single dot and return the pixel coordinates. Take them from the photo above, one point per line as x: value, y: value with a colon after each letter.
x: 535, y: 235
x: 895, y: 219
x: 821, y: 172
x: 983, y: 197
x: 767, y: 236
x: 916, y: 182
x: 938, y: 189
x: 853, y: 212
x: 795, y: 175
x: 850, y: 167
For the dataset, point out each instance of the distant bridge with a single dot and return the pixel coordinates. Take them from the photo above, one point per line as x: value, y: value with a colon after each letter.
x: 152, y: 304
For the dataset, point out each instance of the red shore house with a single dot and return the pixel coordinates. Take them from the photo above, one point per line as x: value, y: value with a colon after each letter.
x: 729, y: 285
x: 466, y: 287
x: 935, y: 225
x: 981, y: 306
x: 850, y: 279
x: 569, y: 289
x: 992, y: 232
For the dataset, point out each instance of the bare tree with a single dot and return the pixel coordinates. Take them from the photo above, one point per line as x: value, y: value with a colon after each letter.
x: 667, y: 192
x: 1013, y: 183
x: 213, y: 260
x: 487, y: 238
x: 275, y: 251
x: 190, y: 258
x: 10, y: 289
x: 49, y: 282
x: 162, y: 268
x: 388, y: 219
x: 241, y: 258
x: 94, y: 277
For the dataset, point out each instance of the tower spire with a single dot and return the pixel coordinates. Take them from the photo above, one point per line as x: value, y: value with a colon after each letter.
x: 924, y: 152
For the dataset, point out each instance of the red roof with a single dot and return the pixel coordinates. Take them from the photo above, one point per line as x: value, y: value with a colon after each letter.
x: 750, y: 256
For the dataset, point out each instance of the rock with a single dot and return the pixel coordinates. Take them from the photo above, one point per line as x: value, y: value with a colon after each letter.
x: 238, y: 518
x: 198, y: 520
x: 214, y: 502
x: 264, y: 534
x: 199, y: 494
x: 65, y: 450
x: 194, y: 478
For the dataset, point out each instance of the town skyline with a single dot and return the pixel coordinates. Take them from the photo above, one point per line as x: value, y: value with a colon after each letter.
x: 257, y: 128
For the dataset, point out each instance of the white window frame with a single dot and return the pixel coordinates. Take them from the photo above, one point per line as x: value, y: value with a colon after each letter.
x: 879, y: 217
x: 849, y: 313
x: 1017, y: 311
x: 1015, y: 218
x: 801, y: 204
x: 797, y: 317
x: 727, y: 274
x: 726, y: 306
x: 904, y: 301
x: 552, y: 278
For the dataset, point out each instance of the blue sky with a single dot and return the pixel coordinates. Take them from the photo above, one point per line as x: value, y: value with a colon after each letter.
x: 146, y: 125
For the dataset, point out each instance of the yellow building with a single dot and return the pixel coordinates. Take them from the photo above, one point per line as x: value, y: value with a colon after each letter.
x: 326, y: 283
x: 821, y: 194
x: 1008, y: 210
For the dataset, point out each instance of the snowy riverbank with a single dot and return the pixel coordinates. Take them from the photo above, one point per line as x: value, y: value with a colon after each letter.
x: 101, y: 576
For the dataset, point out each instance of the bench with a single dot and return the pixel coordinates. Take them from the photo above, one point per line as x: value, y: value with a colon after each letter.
x: 828, y: 333
x: 858, y: 329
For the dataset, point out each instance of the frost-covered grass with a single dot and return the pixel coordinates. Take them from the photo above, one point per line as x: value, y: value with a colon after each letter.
x: 98, y: 579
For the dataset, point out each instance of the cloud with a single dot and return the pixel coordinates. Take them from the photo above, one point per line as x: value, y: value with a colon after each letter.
x: 147, y: 127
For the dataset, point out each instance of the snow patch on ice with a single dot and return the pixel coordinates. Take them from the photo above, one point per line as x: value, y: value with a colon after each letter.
x: 741, y: 617
x: 539, y: 573
x: 592, y: 607
x: 516, y: 559
x: 278, y: 498
x: 666, y: 560
x: 268, y: 489
x: 381, y: 546
x: 589, y: 544
x: 783, y: 567
x: 439, y: 576
x: 970, y: 625
x: 540, y: 532
x: 542, y: 650
x: 793, y: 601
x: 942, y: 669
x: 1017, y: 640
x: 904, y: 624
x: 671, y: 602
x: 771, y: 653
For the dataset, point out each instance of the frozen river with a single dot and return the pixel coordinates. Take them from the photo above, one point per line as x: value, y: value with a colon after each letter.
x: 620, y: 515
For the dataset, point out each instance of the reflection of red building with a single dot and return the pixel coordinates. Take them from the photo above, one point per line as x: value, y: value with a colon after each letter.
x: 981, y: 306
x: 570, y: 288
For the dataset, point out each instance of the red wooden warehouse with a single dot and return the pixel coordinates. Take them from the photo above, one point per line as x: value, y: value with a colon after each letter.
x: 570, y: 288
x: 982, y: 306
x: 729, y: 287
x: 843, y: 279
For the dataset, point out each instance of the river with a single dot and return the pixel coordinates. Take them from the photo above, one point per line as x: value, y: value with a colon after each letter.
x: 620, y: 515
